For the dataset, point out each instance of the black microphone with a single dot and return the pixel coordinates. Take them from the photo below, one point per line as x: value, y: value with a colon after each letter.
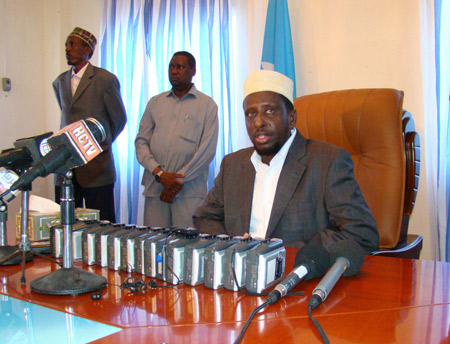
x: 74, y: 145
x: 311, y: 261
x: 347, y: 257
x: 25, y: 154
x: 13, y: 158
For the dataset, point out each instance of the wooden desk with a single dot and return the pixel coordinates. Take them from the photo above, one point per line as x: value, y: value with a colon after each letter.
x: 391, y: 300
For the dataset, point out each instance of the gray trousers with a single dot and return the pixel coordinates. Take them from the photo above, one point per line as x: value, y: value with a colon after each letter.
x: 179, y: 213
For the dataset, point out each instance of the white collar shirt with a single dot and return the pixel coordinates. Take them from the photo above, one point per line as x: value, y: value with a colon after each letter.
x: 76, y: 77
x: 266, y: 180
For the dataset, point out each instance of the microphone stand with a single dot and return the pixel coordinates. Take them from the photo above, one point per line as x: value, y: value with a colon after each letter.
x: 68, y: 280
x: 21, y: 253
x: 5, y: 249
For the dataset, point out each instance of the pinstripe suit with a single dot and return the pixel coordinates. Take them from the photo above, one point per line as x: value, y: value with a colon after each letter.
x: 317, y: 198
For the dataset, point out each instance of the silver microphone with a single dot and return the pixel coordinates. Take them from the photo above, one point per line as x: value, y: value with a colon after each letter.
x: 311, y: 261
x: 347, y: 257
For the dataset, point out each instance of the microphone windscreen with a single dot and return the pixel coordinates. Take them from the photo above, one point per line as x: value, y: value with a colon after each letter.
x: 33, y: 144
x: 350, y: 250
x: 13, y: 158
x: 316, y: 259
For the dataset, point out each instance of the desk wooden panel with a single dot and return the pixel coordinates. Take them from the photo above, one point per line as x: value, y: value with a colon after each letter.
x: 427, y: 324
x: 390, y: 300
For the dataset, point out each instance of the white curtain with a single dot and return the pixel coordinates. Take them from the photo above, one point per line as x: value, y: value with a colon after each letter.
x: 137, y: 40
x: 436, y: 67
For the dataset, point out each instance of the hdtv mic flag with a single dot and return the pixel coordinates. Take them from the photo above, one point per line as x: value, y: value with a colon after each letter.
x: 278, y: 54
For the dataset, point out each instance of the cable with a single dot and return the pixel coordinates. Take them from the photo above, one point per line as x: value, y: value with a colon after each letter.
x: 164, y: 249
x: 257, y: 309
x: 247, y: 323
x: 97, y: 295
x: 246, y: 292
x: 173, y: 272
x: 135, y: 285
x: 319, y: 328
x: 236, y: 281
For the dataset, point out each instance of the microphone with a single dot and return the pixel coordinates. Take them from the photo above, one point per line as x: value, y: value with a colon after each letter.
x: 347, y: 257
x: 74, y: 145
x: 25, y: 154
x: 311, y: 261
x: 8, y: 178
x: 12, y: 158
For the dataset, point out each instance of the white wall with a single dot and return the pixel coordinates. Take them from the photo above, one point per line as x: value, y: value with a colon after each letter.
x: 23, y: 110
x: 347, y: 44
x: 32, y: 37
x: 338, y: 44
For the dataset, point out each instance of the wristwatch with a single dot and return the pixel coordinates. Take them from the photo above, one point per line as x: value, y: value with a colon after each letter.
x: 158, y: 176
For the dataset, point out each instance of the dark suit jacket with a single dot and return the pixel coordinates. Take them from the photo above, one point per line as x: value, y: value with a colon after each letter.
x: 98, y: 96
x: 317, y: 198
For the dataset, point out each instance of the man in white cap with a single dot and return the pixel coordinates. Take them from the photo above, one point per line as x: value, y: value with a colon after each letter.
x: 86, y: 91
x: 286, y: 186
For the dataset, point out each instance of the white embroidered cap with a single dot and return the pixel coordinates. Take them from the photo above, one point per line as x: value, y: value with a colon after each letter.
x: 268, y: 80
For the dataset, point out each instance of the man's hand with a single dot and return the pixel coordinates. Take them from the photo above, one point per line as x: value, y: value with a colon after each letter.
x: 171, y: 183
x: 167, y: 196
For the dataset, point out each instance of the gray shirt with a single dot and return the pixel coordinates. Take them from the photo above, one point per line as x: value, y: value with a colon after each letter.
x: 180, y: 136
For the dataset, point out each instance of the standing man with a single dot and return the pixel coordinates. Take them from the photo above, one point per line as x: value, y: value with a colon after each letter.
x: 86, y: 91
x: 285, y: 186
x: 176, y: 141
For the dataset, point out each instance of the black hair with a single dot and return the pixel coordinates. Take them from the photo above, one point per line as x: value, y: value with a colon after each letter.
x: 189, y: 56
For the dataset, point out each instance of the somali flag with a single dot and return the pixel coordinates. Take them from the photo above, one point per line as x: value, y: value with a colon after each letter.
x: 278, y: 54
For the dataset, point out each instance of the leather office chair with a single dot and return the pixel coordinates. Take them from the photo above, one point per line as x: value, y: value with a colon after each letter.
x: 381, y: 138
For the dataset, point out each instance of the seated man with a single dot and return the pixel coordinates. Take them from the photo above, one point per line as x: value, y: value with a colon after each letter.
x: 286, y: 186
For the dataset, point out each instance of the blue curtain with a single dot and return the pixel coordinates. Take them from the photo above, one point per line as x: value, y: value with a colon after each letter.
x: 137, y: 40
x: 442, y: 59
